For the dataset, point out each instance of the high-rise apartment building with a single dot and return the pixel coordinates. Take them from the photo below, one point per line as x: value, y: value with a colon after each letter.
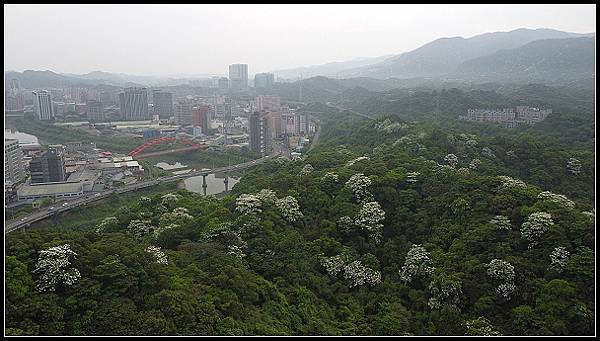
x: 201, y: 118
x: 134, y: 104
x: 49, y: 166
x: 94, y: 111
x: 223, y: 84
x: 272, y: 103
x: 260, y: 139
x: 42, y: 104
x: 183, y: 113
x: 14, y: 170
x: 238, y: 77
x: 163, y: 103
x: 264, y: 80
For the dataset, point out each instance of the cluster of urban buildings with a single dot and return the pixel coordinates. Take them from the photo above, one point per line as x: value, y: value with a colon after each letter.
x: 63, y: 171
x: 508, y: 117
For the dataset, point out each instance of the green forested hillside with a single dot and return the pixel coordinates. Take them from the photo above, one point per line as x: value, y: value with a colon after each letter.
x: 386, y: 228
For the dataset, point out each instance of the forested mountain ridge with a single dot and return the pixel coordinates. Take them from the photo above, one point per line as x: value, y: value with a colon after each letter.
x: 387, y: 228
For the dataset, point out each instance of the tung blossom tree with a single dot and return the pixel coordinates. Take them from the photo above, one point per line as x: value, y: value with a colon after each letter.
x: 159, y: 256
x: 412, y: 177
x: 267, y: 197
x: 307, y: 169
x: 417, y: 262
x: 169, y: 199
x: 480, y: 327
x: 140, y: 228
x: 558, y: 199
x: 106, y: 224
x: 369, y: 218
x: 359, y: 185
x: 451, y: 160
x: 505, y: 273
x: 358, y: 274
x: 474, y: 164
x: 508, y: 182
x: 54, y: 267
x: 345, y: 224
x: 445, y: 292
x: 289, y: 208
x: 500, y: 222
x: 559, y: 258
x: 536, y: 225
x: 248, y: 204
x: 574, y: 166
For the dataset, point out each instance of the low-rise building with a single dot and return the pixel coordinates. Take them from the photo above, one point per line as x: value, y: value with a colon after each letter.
x: 50, y: 190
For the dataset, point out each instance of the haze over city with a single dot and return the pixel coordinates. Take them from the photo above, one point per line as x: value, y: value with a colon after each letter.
x: 204, y: 39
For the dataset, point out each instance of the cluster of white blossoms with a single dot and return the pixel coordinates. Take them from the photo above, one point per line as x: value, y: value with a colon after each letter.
x: 267, y: 196
x: 307, y: 169
x: 451, y: 160
x: 139, y: 228
x: 236, y: 251
x: 289, y: 208
x: 169, y: 199
x: 487, y: 152
x: 345, y: 224
x: 574, y: 166
x: 53, y: 265
x: 536, y: 225
x: 358, y: 274
x: 179, y: 214
x: 390, y: 126
x: 504, y: 272
x: 160, y: 256
x: 556, y: 198
x: 445, y: 292
x: 369, y: 218
x: 559, y: 258
x: 411, y: 142
x: 480, y: 327
x: 411, y: 177
x: 248, y: 204
x: 591, y: 214
x: 508, y: 182
x: 106, y: 222
x: 462, y: 171
x: 358, y: 159
x: 334, y: 264
x: 417, y: 262
x: 159, y: 230
x: 359, y: 185
x: 330, y: 177
x: 500, y: 222
x: 355, y: 271
x: 511, y: 154
x: 144, y: 201
x: 474, y: 164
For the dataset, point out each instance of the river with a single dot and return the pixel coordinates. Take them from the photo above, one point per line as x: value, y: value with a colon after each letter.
x: 214, y: 182
x: 24, y: 139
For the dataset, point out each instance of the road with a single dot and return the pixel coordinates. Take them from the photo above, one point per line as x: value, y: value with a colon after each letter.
x: 23, y: 222
x: 315, y: 139
x: 329, y: 104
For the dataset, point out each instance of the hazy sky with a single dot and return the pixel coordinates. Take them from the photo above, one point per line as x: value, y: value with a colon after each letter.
x: 205, y: 39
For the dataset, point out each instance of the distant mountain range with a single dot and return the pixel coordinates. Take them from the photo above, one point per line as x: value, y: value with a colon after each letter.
x: 440, y: 57
x: 519, y: 56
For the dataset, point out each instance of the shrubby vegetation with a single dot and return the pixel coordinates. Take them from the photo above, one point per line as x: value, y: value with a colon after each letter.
x: 397, y: 244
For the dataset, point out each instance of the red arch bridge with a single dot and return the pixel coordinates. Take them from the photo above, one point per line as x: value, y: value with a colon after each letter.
x: 191, y: 145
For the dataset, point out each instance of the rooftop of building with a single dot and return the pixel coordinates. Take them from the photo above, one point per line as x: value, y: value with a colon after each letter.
x: 49, y: 188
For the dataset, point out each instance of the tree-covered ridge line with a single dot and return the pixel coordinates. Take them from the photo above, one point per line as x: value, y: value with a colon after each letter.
x: 393, y: 228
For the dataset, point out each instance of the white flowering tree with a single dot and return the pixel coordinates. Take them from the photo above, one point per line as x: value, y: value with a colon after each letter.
x: 307, y: 169
x: 503, y: 272
x: 169, y: 199
x: 358, y: 274
x: 591, y: 214
x: 508, y: 182
x: 358, y: 159
x: 511, y: 155
x: 159, y: 256
x: 536, y: 225
x: 389, y: 126
x: 54, y: 268
x: 106, y: 224
x: 369, y: 218
x: 330, y: 177
x: 359, y: 185
x: 248, y: 204
x: 236, y: 251
x: 480, y: 327
x: 558, y: 259
x: 145, y: 201
x: 474, y: 164
x: 267, y: 197
x: 574, y: 166
x: 139, y: 228
x: 289, y: 208
x: 451, y: 160
x: 412, y: 177
x: 335, y: 264
x: 417, y: 262
x: 500, y: 222
x: 445, y: 292
x: 159, y: 230
x: 345, y: 224
x: 558, y: 199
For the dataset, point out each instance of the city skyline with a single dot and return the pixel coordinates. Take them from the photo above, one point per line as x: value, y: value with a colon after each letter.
x: 359, y: 32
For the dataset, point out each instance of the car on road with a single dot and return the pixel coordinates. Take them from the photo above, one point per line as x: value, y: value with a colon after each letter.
x: 98, y: 194
x: 51, y: 208
x: 65, y: 203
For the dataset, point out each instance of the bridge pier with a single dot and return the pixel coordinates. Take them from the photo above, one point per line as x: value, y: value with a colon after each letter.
x: 226, y: 181
x: 204, y: 185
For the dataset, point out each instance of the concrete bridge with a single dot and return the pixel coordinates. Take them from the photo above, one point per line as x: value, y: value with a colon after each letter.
x: 24, y: 222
